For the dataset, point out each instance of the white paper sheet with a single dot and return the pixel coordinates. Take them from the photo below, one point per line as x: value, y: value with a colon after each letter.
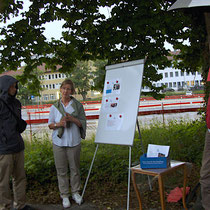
x: 112, y: 87
x: 111, y: 104
x: 114, y: 121
x: 157, y: 150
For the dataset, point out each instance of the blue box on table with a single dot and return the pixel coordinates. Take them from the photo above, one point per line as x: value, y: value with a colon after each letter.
x: 154, y: 162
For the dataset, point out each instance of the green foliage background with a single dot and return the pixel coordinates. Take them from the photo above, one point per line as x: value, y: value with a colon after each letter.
x: 186, y: 141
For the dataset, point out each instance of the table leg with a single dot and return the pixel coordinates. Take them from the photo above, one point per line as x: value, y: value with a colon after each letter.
x: 184, y: 187
x: 136, y: 190
x: 161, y: 190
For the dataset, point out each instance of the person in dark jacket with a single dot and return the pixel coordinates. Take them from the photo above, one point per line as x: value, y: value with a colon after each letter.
x: 11, y: 148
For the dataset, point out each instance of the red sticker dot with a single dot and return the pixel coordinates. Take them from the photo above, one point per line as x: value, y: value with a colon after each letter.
x: 116, y: 81
x: 110, y: 115
x: 116, y: 98
x: 120, y: 116
x: 107, y: 82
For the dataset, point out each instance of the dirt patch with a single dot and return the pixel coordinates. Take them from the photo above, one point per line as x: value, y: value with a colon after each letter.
x: 109, y: 197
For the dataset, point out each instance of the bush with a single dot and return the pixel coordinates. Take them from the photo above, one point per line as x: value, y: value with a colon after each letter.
x: 39, y: 161
x: 186, y: 141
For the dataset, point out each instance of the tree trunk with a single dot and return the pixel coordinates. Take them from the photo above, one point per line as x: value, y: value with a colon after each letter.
x: 84, y: 96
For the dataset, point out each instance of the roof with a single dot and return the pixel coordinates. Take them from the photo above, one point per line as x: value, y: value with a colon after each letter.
x: 189, y: 3
x: 12, y: 73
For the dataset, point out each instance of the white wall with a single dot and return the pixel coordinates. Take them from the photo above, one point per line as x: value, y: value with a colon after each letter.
x: 175, y: 78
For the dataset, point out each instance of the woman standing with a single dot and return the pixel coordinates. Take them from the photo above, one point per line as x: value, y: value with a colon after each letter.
x: 68, y: 121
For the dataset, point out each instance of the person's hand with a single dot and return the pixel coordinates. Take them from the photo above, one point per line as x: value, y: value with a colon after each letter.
x: 69, y: 118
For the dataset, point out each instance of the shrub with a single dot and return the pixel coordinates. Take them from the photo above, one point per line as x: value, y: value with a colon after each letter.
x: 186, y: 141
x: 39, y: 161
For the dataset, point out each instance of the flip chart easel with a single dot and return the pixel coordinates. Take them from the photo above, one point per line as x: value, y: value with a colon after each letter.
x: 119, y: 108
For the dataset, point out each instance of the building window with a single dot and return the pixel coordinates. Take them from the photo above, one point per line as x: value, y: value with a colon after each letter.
x: 182, y: 73
x: 171, y: 74
x: 192, y: 83
x: 53, y: 76
x: 49, y: 76
x: 53, y: 86
x: 166, y: 75
x: 170, y: 84
x: 50, y: 86
x: 52, y: 97
x: 47, y: 86
x: 176, y: 73
x: 59, y: 75
x: 179, y: 84
x: 174, y: 84
x: 166, y: 84
x: 45, y: 97
x: 56, y: 76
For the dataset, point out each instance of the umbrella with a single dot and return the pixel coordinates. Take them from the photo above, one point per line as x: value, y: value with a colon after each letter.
x: 189, y: 3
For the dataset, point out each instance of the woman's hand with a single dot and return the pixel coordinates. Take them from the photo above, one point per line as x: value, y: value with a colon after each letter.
x: 62, y: 122
x: 70, y: 118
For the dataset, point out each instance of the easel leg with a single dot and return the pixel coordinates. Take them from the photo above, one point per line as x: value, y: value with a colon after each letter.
x: 89, y: 171
x: 129, y: 175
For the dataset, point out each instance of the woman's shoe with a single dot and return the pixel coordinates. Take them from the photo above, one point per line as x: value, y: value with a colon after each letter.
x: 66, y: 203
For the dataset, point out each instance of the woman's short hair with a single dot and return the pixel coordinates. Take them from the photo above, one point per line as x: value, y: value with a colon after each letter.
x: 69, y: 82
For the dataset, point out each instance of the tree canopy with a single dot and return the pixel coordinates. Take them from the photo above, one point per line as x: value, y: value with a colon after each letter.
x: 134, y: 30
x: 82, y: 76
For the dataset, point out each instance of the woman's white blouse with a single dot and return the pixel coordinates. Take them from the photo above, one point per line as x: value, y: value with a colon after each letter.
x: 71, y: 136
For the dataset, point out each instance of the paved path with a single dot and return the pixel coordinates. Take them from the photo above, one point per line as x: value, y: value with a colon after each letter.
x: 84, y: 206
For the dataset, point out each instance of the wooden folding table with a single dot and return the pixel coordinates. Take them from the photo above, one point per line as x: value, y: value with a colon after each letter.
x: 174, y: 165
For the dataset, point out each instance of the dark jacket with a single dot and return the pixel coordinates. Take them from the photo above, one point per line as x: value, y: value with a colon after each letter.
x: 10, y: 139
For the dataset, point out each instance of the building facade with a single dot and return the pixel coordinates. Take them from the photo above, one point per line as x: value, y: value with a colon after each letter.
x: 51, y: 82
x: 175, y: 79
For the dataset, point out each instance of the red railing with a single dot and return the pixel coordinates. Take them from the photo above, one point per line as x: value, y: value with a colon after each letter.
x: 44, y: 106
x: 141, y: 112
